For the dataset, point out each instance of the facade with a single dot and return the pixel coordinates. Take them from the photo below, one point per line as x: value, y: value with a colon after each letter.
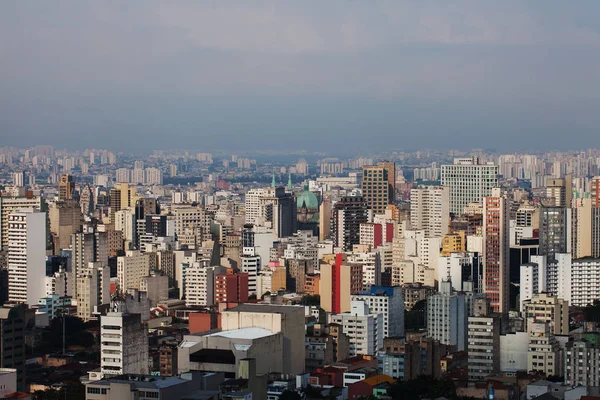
x: 496, y: 251
x: 582, y: 361
x: 123, y: 342
x: 363, y: 328
x: 337, y: 283
x: 583, y: 290
x: 555, y: 231
x: 468, y: 181
x: 544, y: 307
x: 389, y: 302
x: 378, y: 186
x: 200, y: 284
x: 66, y: 187
x: 346, y: 217
x: 93, y: 289
x: 484, y: 341
x: 430, y: 210
x: 132, y: 268
x: 26, y: 256
x: 12, y: 340
x: 8, y: 205
x: 231, y: 288
x: 447, y: 317
x: 544, y: 353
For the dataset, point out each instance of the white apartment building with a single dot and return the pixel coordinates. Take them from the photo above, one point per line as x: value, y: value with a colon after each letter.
x: 468, y: 181
x: 364, y: 329
x: 200, y: 284
x: 251, y: 264
x: 447, y: 317
x: 585, y: 281
x: 253, y: 204
x: 26, y: 256
x: 582, y: 361
x: 131, y: 268
x: 8, y: 205
x: 532, y: 279
x: 123, y: 342
x: 93, y: 289
x: 389, y: 302
x: 430, y: 210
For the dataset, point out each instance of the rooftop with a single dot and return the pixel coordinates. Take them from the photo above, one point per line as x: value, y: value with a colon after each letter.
x: 267, y: 308
x: 244, y: 333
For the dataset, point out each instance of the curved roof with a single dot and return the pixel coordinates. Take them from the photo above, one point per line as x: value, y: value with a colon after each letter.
x: 307, y: 199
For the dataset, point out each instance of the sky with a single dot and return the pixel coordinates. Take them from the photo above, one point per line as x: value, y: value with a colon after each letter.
x: 352, y: 76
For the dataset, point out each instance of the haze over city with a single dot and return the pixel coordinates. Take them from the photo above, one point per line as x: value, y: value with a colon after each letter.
x: 309, y: 75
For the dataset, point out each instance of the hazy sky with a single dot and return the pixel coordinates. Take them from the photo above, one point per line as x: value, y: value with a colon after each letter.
x: 325, y: 75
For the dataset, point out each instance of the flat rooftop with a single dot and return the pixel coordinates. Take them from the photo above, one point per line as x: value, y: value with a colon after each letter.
x: 244, y: 333
x: 267, y: 308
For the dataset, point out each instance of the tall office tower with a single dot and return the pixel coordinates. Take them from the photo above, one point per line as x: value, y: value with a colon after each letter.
x: 378, y: 186
x: 19, y: 179
x: 123, y: 342
x: 429, y: 210
x: 231, y: 288
x: 346, y: 217
x: 280, y: 209
x: 325, y: 219
x: 389, y: 302
x: 13, y: 320
x: 484, y: 341
x: 468, y: 181
x: 93, y: 289
x: 86, y: 200
x: 595, y: 191
x: 555, y: 231
x: 66, y: 187
x: 8, y: 205
x: 26, y: 256
x: 338, y: 282
x: 65, y: 219
x: 496, y: 251
x: 447, y: 317
x: 582, y: 233
x: 559, y: 192
x: 121, y: 196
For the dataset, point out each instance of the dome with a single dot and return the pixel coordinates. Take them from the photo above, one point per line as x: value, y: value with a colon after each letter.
x: 307, y: 199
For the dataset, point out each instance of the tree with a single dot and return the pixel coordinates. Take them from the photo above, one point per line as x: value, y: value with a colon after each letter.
x: 310, y: 300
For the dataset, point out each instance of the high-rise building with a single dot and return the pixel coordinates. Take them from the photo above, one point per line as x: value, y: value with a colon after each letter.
x: 123, y: 342
x: 543, y: 307
x: 544, y: 353
x: 26, y: 256
x: 338, y: 282
x: 8, y: 205
x: 555, y: 231
x: 387, y: 301
x: 65, y: 219
x: 484, y: 341
x: 595, y: 191
x: 559, y: 192
x: 231, y: 288
x: 468, y: 181
x: 66, y: 187
x: 19, y: 179
x: 429, y: 210
x: 378, y: 186
x: 200, y: 284
x: 280, y: 209
x: 251, y: 265
x: 496, y: 251
x: 13, y: 320
x: 447, y: 317
x: 346, y: 217
x: 363, y: 327
x: 93, y: 289
x: 582, y: 358
x: 131, y: 268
